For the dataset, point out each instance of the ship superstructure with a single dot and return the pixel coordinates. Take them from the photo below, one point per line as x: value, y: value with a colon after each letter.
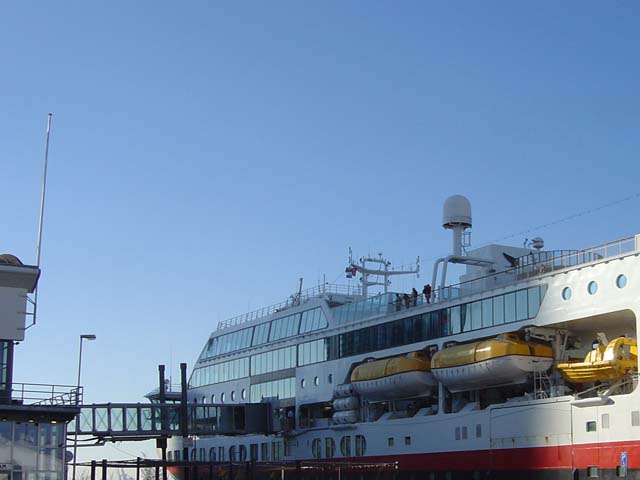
x: 525, y: 368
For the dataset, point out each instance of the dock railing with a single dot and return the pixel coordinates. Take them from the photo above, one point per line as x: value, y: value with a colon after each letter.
x: 44, y: 394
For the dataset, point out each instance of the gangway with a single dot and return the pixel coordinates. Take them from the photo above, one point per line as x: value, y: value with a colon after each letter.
x: 142, y: 421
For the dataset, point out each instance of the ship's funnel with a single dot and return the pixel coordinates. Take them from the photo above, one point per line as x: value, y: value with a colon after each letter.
x: 456, y: 216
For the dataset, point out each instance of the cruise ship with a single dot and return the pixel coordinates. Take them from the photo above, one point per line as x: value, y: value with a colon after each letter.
x: 524, y: 367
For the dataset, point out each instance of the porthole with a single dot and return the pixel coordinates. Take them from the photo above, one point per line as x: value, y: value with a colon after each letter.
x: 243, y: 394
x: 621, y: 281
x: 303, y: 383
x: 222, y: 397
x: 204, y: 399
x: 213, y: 398
x: 592, y: 288
x: 233, y: 395
x: 330, y: 379
x: 566, y: 293
x: 316, y: 381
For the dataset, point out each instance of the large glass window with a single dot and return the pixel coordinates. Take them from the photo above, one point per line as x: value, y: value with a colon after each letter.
x: 273, y: 360
x: 454, y: 313
x: 312, y: 352
x: 220, y: 372
x: 313, y: 320
x: 476, y: 315
x: 284, y: 327
x: 522, y: 308
x: 510, y: 307
x: 498, y: 310
x: 487, y: 312
x: 261, y: 334
x: 283, y: 388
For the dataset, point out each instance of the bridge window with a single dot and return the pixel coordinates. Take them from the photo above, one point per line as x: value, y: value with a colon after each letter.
x: 329, y: 447
x: 621, y: 281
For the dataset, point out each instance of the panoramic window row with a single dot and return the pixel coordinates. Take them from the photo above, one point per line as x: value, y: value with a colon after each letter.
x: 305, y: 322
x: 283, y: 388
x: 507, y: 308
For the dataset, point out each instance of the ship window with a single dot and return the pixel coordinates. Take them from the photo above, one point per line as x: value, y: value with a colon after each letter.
x: 313, y: 320
x: 261, y: 334
x: 330, y: 378
x: 465, y: 317
x: 273, y: 360
x: 264, y: 452
x: 243, y: 453
x: 454, y: 315
x: 222, y: 397
x: 457, y: 433
x: 407, y: 440
x: 345, y: 446
x: 316, y: 448
x: 635, y: 418
x: 534, y: 301
x: 605, y: 420
x: 243, y: 394
x: 312, y: 352
x: 476, y: 315
x: 283, y: 388
x: 591, y: 426
x: 221, y: 454
x: 316, y: 381
x: 390, y: 441
x: 213, y: 398
x: 522, y: 309
x: 212, y: 454
x: 329, y: 447
x: 621, y: 281
x: 478, y: 430
x: 566, y: 293
x: 510, y: 307
x: 464, y: 433
x: 276, y: 450
x: 592, y: 288
x: 176, y: 455
x: 487, y: 312
x: 361, y: 445
x: 233, y: 395
x: 232, y: 453
x: 498, y: 310
x: 253, y: 452
x: 303, y: 383
x: 193, y: 454
x: 201, y: 455
x: 169, y: 455
x: 284, y: 327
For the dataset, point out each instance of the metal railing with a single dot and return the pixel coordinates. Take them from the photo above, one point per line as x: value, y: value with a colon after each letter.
x: 292, y: 301
x: 537, y: 263
x: 43, y: 394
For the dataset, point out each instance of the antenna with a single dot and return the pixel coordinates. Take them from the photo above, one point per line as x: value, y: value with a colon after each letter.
x: 44, y: 190
x: 41, y: 216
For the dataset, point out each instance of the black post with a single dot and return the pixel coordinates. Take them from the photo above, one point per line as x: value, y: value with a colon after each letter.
x: 157, y: 469
x: 138, y: 460
x: 93, y: 470
x: 104, y: 469
x: 184, y: 424
x: 210, y: 470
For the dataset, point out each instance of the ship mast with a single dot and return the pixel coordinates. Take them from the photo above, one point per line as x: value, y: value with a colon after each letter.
x: 383, y: 271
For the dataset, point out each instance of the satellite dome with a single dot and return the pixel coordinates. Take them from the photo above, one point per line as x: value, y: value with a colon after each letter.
x: 456, y: 212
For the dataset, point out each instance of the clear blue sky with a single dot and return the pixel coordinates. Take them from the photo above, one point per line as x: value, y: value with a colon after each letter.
x: 205, y: 155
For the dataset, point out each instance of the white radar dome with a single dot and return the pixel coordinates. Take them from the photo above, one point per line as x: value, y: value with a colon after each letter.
x: 456, y: 212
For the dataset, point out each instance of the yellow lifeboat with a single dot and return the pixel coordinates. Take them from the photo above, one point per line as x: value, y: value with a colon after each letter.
x: 403, y: 376
x: 613, y: 362
x: 504, y: 360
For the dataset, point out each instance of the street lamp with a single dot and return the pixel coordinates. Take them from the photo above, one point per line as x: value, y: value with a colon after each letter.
x: 88, y: 336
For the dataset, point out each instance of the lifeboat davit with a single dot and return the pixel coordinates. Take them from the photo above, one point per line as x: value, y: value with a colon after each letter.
x: 504, y: 360
x: 612, y: 362
x: 404, y: 376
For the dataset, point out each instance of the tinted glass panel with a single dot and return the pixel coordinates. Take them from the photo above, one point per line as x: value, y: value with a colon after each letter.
x: 498, y: 310
x: 522, y: 305
x: 510, y: 307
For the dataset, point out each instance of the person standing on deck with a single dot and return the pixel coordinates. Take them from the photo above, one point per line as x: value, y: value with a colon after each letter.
x: 427, y: 292
x: 414, y: 297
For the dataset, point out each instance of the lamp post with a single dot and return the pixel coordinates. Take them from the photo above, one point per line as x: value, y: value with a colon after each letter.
x: 75, y: 442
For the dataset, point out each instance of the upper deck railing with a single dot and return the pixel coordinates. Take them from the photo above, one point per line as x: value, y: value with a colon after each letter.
x: 42, y: 394
x: 293, y: 301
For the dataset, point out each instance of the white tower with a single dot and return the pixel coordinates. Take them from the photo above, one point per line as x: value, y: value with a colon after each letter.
x: 456, y: 216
